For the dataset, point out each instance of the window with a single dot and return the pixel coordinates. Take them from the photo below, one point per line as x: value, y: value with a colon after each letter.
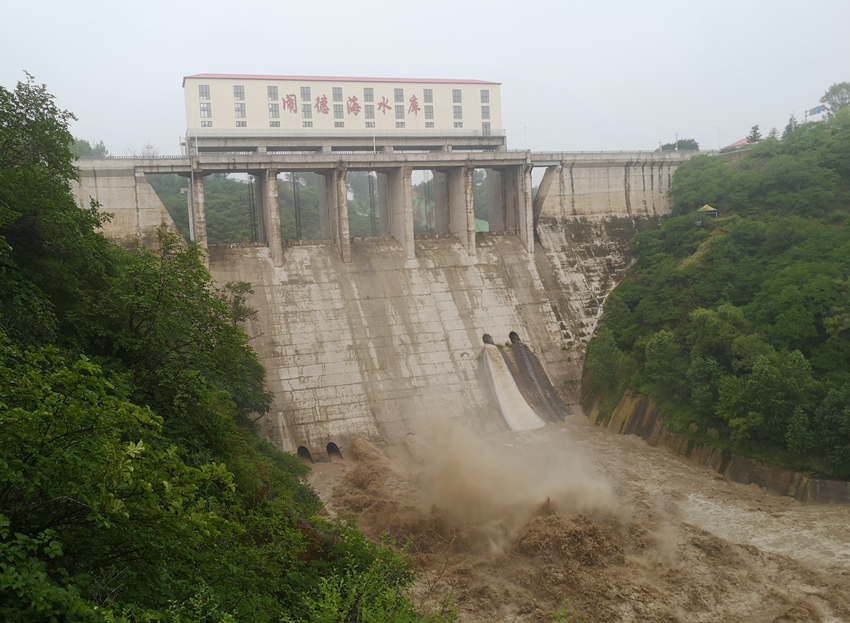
x: 241, y: 124
x: 307, y: 113
x: 271, y: 92
x: 485, y: 128
x: 369, y: 111
x: 274, y: 124
x: 399, y: 112
x: 339, y: 124
x: 399, y: 124
x: 306, y: 124
x: 485, y: 96
x: 458, y: 124
x: 203, y: 91
x: 305, y: 94
x: 429, y: 124
x: 428, y: 96
x: 370, y: 124
x: 457, y: 98
x: 399, y: 95
x: 485, y: 112
x: 206, y: 124
x: 429, y: 112
x: 338, y: 113
x: 274, y: 111
x: 337, y: 94
x: 368, y: 94
x: 457, y: 112
x: 239, y: 109
x: 206, y: 111
x: 238, y: 92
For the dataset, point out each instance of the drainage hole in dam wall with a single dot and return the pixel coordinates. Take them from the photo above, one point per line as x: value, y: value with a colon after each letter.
x: 487, y: 339
x: 304, y: 454
x: 514, y: 338
x: 333, y: 452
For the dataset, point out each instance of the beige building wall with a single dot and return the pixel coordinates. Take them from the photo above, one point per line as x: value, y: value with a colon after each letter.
x: 351, y: 102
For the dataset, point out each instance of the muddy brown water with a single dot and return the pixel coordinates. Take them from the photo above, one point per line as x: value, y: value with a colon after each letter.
x: 511, y: 526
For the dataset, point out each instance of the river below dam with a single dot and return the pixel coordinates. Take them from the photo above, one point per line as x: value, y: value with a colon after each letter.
x: 511, y: 525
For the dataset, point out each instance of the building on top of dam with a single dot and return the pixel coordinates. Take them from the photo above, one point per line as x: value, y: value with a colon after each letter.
x: 259, y: 113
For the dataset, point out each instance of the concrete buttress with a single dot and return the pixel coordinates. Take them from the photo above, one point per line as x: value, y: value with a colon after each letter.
x: 401, y: 209
x: 343, y: 238
x: 271, y: 214
x: 461, y: 207
x: 199, y: 212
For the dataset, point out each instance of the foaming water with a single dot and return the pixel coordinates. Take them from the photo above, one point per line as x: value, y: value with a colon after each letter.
x: 627, y: 531
x: 812, y: 534
x: 518, y: 415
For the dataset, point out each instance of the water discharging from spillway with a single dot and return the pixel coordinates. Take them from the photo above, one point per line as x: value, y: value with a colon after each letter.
x: 511, y: 525
x: 513, y: 407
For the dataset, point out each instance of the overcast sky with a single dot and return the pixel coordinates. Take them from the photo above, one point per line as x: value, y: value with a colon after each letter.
x: 576, y: 75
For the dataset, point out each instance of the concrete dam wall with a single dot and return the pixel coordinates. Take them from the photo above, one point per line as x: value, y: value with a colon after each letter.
x: 377, y: 345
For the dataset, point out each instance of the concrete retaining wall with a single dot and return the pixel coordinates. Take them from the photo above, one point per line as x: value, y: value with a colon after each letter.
x: 120, y: 190
x: 636, y: 414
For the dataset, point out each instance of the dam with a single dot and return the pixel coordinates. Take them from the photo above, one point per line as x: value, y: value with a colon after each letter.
x: 367, y: 337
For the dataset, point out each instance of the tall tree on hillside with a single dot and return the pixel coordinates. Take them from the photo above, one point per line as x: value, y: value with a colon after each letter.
x: 755, y: 135
x: 50, y: 251
x: 791, y: 126
x: 836, y: 97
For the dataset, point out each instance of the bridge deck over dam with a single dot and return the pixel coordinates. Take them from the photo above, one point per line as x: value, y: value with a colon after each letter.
x: 371, y: 337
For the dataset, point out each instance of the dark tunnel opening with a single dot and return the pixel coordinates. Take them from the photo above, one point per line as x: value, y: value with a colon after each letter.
x: 304, y: 454
x: 333, y: 451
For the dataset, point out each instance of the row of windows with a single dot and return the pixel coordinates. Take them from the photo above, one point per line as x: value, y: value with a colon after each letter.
x: 368, y: 94
x: 307, y: 111
x: 485, y: 127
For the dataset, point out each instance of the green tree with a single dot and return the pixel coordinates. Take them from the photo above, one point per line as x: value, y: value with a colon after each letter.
x: 836, y: 97
x: 682, y: 144
x: 790, y: 126
x: 51, y: 255
x: 755, y: 135
x: 91, y: 497
x: 82, y: 148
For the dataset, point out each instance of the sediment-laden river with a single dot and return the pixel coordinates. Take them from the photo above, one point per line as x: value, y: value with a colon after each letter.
x: 512, y: 525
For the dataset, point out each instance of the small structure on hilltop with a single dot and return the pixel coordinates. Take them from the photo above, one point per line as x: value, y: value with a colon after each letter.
x: 707, y: 210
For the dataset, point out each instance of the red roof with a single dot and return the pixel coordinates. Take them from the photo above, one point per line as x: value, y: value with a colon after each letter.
x: 331, y: 79
x: 740, y: 143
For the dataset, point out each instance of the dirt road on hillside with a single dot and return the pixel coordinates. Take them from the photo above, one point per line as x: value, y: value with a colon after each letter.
x: 510, y: 526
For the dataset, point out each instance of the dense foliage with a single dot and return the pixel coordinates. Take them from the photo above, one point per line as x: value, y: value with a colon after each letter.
x: 132, y: 486
x: 740, y: 324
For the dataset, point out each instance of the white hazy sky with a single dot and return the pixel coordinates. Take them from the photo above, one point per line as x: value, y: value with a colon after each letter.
x: 576, y: 75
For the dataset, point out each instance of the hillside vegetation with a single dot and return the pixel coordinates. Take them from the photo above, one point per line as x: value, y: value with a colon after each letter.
x: 132, y: 485
x: 742, y: 324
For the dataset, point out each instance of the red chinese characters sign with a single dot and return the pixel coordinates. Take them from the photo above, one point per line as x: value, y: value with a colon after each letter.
x: 321, y: 105
x: 353, y: 106
x: 290, y: 103
x: 384, y: 105
x: 414, y: 105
